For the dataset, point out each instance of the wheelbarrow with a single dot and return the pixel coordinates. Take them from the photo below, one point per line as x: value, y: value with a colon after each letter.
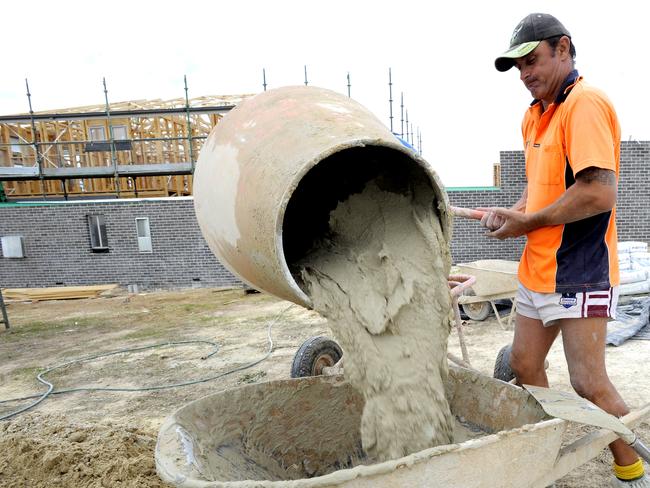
x: 304, y: 432
x: 496, y: 279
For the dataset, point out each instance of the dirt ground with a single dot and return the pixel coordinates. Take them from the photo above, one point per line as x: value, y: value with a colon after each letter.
x: 100, y: 438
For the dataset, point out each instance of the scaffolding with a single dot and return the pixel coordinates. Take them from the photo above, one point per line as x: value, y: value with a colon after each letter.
x: 137, y: 148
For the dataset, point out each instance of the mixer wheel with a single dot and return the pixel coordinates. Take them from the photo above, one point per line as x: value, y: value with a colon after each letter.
x: 314, y: 354
x: 502, y: 370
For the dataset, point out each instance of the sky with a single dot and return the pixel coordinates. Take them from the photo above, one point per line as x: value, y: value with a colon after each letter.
x: 441, y: 55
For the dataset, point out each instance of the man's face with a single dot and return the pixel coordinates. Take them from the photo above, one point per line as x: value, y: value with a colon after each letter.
x: 542, y: 72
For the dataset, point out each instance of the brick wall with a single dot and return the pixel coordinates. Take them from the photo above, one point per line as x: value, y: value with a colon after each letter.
x: 58, y: 250
x: 58, y: 247
x: 469, y: 242
x: 633, y: 210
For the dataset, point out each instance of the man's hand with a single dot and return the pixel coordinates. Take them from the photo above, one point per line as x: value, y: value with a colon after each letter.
x: 490, y: 220
x: 507, y: 223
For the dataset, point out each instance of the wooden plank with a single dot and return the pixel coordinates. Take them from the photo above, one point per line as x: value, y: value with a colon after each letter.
x: 153, y: 193
x: 73, y: 185
x: 56, y: 293
x: 159, y: 144
x: 5, y: 151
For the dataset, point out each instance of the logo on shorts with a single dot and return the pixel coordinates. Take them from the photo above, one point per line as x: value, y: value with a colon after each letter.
x: 568, y: 300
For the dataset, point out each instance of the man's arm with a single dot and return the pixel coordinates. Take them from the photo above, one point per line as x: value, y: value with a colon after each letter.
x: 594, y: 192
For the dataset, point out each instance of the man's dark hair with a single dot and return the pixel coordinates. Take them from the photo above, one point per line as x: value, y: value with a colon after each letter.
x: 554, y: 41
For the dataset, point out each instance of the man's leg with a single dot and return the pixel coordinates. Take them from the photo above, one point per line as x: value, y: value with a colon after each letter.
x: 530, y: 346
x: 584, y: 348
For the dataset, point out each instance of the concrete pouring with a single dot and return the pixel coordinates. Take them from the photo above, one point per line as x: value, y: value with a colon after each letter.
x: 303, y: 194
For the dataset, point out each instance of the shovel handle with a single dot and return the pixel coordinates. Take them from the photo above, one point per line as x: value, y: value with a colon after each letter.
x: 641, y: 449
x: 468, y: 213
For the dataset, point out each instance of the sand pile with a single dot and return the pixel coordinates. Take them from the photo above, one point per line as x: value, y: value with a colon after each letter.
x: 41, y: 450
x: 380, y: 277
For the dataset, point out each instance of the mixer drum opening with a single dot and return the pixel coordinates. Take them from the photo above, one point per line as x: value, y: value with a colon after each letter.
x: 333, y: 180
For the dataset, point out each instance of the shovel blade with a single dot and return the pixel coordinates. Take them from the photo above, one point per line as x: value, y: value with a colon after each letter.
x: 569, y: 406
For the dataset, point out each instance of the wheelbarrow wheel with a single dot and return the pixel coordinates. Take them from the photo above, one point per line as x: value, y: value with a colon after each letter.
x: 502, y: 370
x: 315, y: 354
x: 478, y: 311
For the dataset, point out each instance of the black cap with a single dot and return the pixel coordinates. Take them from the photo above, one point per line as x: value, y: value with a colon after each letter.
x: 533, y: 29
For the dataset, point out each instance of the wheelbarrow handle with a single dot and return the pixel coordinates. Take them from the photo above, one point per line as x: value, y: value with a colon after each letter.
x: 589, y: 446
x: 641, y: 449
x: 459, y: 283
x: 468, y: 213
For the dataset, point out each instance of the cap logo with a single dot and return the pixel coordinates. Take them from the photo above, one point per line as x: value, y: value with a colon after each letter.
x: 515, y: 32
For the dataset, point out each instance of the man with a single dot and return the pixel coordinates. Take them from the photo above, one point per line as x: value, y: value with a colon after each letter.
x: 569, y: 269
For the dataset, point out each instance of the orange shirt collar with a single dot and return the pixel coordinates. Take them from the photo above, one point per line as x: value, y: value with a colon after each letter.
x: 568, y: 84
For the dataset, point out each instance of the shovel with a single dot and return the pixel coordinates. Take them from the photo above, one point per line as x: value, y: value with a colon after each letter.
x: 569, y: 406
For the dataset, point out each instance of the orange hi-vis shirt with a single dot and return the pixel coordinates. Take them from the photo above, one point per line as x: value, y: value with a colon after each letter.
x: 579, y: 130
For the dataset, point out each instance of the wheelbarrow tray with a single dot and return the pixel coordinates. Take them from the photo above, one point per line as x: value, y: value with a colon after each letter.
x: 304, y: 432
x: 493, y: 276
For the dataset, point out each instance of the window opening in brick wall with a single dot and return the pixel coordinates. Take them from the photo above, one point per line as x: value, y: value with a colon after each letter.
x: 13, y: 247
x: 144, y: 234
x: 97, y: 229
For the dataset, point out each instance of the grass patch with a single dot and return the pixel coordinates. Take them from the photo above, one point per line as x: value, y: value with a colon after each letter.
x: 30, y: 327
x: 47, y: 328
x: 249, y: 378
x: 148, y: 333
x: 194, y: 307
x: 217, y: 320
x: 26, y: 374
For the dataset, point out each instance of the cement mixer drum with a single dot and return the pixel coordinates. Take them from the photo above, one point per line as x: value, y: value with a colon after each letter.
x: 274, y: 168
